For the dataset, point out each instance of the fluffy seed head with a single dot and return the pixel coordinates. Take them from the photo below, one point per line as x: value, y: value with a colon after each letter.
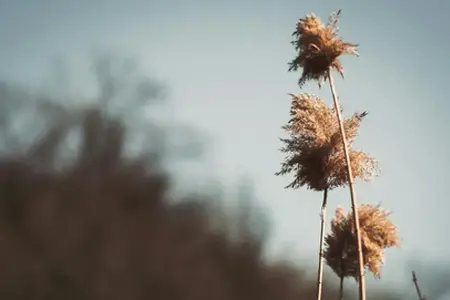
x: 377, y: 234
x: 318, y: 48
x: 314, y: 149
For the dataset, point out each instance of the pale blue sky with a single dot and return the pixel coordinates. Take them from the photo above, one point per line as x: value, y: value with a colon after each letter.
x: 226, y: 65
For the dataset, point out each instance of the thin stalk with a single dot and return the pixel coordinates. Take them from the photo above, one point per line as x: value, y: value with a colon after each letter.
x: 362, y: 282
x: 322, y: 243
x: 416, y: 284
x: 341, y: 288
x: 342, y: 269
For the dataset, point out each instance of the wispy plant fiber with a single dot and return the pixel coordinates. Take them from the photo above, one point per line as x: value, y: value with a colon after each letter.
x: 314, y: 149
x: 377, y: 234
x: 319, y: 47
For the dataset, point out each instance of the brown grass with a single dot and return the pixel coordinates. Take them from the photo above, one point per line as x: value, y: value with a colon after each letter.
x: 314, y: 149
x: 377, y: 233
x: 319, y: 46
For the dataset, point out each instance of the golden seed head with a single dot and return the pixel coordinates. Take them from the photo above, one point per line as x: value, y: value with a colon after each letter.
x: 314, y: 149
x: 377, y: 234
x: 319, y: 46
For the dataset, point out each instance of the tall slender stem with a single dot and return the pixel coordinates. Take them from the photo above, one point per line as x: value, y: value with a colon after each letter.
x: 341, y: 287
x: 416, y: 284
x: 322, y: 242
x: 362, y: 282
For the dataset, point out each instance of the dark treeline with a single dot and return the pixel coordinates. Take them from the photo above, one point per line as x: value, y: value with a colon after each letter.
x: 101, y: 228
x: 103, y: 225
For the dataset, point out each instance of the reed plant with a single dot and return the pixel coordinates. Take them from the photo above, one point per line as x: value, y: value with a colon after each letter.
x: 377, y: 233
x: 315, y: 155
x: 319, y: 48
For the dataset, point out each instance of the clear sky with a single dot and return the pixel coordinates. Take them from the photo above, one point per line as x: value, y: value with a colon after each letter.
x: 226, y: 65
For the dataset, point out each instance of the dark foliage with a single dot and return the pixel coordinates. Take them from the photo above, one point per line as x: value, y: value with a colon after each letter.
x: 102, y: 229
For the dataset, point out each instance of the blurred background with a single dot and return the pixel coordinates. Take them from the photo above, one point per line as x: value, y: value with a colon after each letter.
x: 197, y: 90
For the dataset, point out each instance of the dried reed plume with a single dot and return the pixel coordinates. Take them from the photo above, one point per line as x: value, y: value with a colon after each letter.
x: 319, y: 47
x: 377, y: 233
x: 314, y: 149
x: 316, y: 154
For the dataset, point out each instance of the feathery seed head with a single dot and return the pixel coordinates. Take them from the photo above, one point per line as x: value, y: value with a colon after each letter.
x: 319, y: 46
x: 377, y: 234
x: 314, y: 148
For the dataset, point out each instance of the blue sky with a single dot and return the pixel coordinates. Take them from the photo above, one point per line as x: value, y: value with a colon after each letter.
x: 226, y: 65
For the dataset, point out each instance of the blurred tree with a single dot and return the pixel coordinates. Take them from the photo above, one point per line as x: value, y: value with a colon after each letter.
x: 123, y: 92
